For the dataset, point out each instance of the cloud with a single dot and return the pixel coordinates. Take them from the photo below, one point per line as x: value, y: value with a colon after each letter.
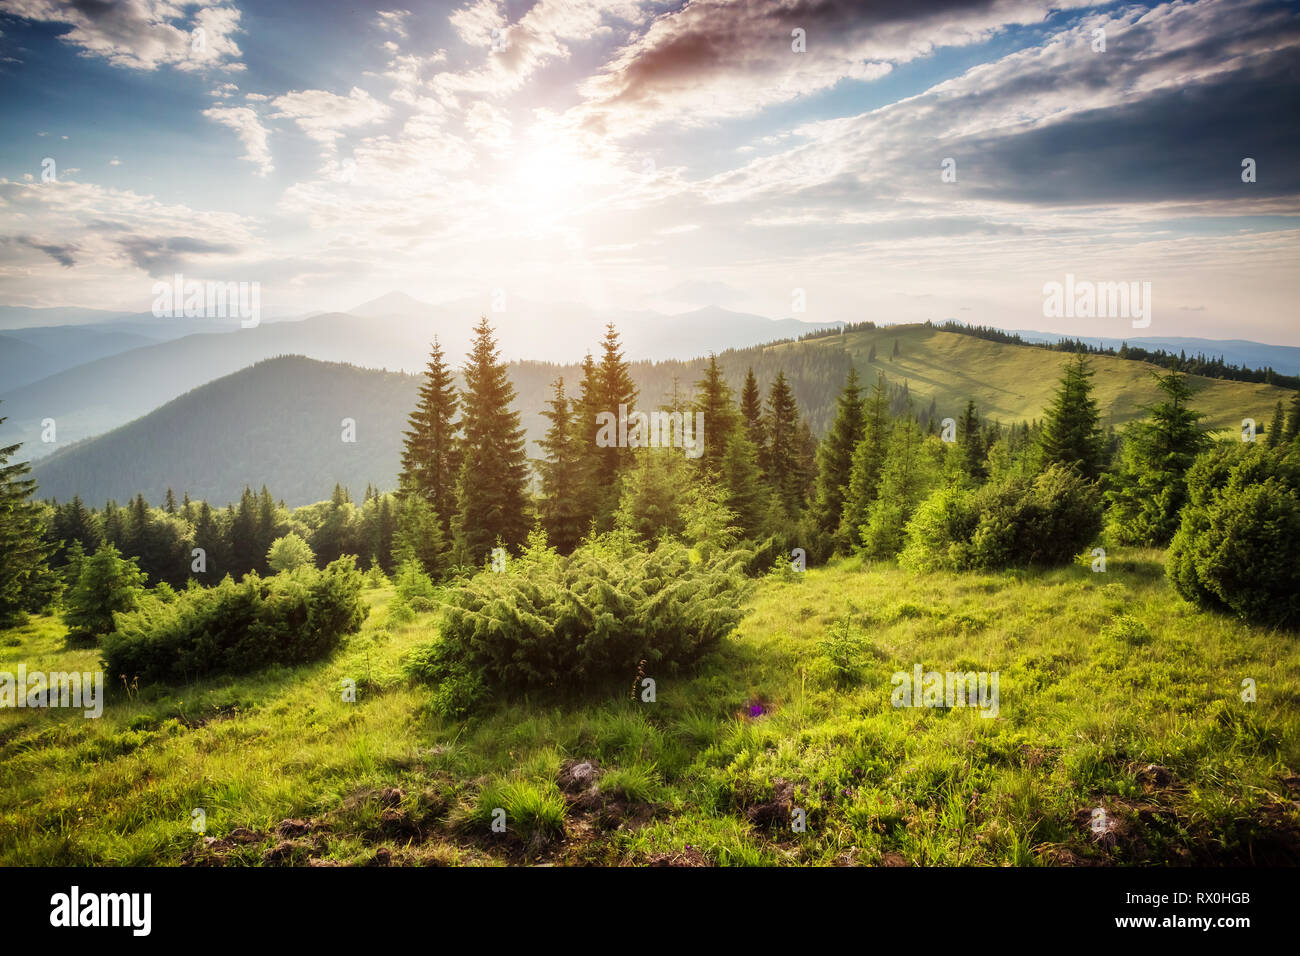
x: 323, y: 116
x: 244, y: 121
x: 715, y: 59
x: 393, y: 21
x: 142, y: 34
x: 159, y: 256
x: 62, y: 253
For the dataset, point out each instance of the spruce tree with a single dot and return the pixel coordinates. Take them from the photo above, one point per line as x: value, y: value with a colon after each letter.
x: 208, y: 535
x: 562, y: 514
x: 904, y: 480
x: 1149, y: 489
x: 583, y: 410
x: 972, y: 443
x: 27, y: 585
x: 1072, y: 434
x: 785, y: 456
x: 1276, y: 427
x: 108, y: 583
x: 835, y: 456
x: 864, y: 472
x: 492, y: 492
x: 419, y: 537
x: 430, y: 463
x: 1292, y: 430
x: 743, y: 485
x: 713, y: 400
x: 751, y: 411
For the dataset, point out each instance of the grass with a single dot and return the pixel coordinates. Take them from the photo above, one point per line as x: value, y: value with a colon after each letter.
x: 1012, y: 383
x: 1113, y: 694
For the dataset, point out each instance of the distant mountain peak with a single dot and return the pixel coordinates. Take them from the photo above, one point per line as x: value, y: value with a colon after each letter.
x: 395, y: 302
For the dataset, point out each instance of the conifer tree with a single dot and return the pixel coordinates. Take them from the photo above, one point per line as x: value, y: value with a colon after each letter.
x: 904, y: 480
x: 108, y: 583
x: 216, y: 549
x: 1149, y: 488
x: 1292, y: 430
x: 1072, y: 434
x: 785, y: 457
x: 713, y: 400
x: 1276, y: 427
x: 743, y: 486
x: 430, y: 463
x: 972, y: 443
x: 419, y: 537
x: 74, y: 523
x: 751, y: 411
x: 835, y: 456
x: 583, y: 410
x: 562, y: 515
x: 492, y: 492
x: 864, y: 472
x: 27, y: 585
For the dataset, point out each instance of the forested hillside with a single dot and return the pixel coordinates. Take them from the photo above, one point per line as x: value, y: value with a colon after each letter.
x: 216, y: 439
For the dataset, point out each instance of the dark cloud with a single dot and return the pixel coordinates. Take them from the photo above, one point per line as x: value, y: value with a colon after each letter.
x: 1176, y: 145
x: 158, y: 256
x: 62, y: 253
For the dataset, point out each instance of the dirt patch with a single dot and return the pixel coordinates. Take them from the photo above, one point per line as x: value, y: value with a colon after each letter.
x: 687, y: 857
x: 774, y: 812
x: 577, y: 776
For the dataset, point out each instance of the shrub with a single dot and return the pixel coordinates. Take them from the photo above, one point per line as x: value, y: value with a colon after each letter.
x: 1019, y: 521
x: 289, y: 553
x: 552, y: 621
x: 233, y: 627
x: 843, y: 650
x: 1237, y: 547
x: 414, y: 586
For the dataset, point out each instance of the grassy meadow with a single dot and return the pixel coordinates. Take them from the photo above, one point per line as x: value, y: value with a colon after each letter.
x: 1114, y: 694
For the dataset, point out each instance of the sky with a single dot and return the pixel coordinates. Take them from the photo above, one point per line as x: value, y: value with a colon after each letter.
x: 826, y: 160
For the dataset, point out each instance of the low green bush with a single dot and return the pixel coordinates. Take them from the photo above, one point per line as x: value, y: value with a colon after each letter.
x: 290, y: 618
x: 1016, y: 522
x: 561, y: 622
x: 1237, y: 547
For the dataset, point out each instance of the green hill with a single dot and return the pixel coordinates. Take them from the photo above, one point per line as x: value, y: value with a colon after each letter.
x: 277, y: 422
x: 1014, y: 383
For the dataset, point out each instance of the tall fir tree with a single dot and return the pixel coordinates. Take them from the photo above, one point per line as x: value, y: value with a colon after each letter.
x: 1149, y: 488
x: 583, y: 410
x: 864, y: 472
x: 561, y: 512
x: 1072, y: 434
x: 713, y: 400
x: 786, y: 465
x: 1291, y: 431
x: 27, y: 585
x: 492, y: 491
x: 1276, y: 427
x: 904, y: 480
x: 835, y: 456
x: 972, y: 443
x: 751, y: 411
x: 617, y: 392
x: 430, y: 453
x: 743, y: 485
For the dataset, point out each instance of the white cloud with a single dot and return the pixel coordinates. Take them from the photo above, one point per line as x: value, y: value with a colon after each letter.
x: 244, y: 121
x: 323, y: 116
x: 142, y: 34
